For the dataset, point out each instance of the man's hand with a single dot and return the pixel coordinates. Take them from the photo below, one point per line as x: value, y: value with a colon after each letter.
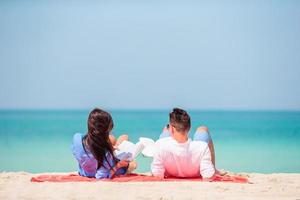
x: 209, y: 179
x: 166, y: 128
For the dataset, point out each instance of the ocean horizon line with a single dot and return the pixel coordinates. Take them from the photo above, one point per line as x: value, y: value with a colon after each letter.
x: 144, y: 110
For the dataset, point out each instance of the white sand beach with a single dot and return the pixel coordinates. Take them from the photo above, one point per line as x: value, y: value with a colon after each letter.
x: 17, y: 185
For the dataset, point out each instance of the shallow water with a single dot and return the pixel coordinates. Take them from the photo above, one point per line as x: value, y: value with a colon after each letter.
x: 248, y: 141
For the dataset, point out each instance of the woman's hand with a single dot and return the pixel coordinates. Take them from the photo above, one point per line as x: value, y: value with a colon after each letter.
x: 122, y: 163
x: 115, y: 148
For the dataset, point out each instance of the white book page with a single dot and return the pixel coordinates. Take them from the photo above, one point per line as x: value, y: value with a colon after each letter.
x: 149, y: 147
x: 128, y: 150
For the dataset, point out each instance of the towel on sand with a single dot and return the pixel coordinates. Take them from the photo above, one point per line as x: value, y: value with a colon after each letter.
x: 130, y: 178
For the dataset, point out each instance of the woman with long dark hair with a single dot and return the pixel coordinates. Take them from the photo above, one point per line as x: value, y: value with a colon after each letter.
x: 95, y: 150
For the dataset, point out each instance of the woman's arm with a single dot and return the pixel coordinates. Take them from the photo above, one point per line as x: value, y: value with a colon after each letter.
x: 120, y: 164
x: 106, y: 172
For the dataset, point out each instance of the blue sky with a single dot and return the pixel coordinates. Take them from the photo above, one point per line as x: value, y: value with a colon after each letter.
x: 150, y: 54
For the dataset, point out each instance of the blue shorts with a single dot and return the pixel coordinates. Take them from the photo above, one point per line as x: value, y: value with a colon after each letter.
x: 202, y: 135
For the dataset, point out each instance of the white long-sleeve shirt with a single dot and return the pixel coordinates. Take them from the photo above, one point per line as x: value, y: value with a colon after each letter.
x: 189, y: 159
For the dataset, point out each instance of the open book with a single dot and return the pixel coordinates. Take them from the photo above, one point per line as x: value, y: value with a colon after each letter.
x: 129, y: 151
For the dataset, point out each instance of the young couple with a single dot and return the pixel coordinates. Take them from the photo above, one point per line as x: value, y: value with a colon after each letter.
x: 175, y: 154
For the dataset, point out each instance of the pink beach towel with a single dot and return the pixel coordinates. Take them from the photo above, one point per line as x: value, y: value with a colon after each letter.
x: 130, y: 178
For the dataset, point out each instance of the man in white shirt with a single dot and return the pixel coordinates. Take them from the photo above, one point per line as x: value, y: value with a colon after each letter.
x: 178, y: 156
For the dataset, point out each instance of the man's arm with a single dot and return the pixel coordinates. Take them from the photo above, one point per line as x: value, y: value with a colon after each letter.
x: 207, y: 169
x: 157, y: 166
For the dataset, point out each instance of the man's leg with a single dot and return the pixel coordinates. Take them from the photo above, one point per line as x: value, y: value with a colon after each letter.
x: 202, y: 134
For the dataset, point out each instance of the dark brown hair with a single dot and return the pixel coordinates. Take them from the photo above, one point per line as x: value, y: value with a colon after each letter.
x: 100, y: 123
x: 180, y: 120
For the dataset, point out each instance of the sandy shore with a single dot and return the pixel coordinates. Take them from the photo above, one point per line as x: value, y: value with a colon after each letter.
x: 17, y: 185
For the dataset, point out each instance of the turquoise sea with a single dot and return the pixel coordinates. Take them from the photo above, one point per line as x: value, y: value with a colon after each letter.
x: 245, y: 141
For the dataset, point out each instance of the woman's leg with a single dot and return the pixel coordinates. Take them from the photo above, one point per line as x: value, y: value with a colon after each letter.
x: 112, y: 139
x: 121, y: 139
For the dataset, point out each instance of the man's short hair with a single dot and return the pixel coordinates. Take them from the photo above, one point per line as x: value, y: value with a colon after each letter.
x: 180, y: 120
